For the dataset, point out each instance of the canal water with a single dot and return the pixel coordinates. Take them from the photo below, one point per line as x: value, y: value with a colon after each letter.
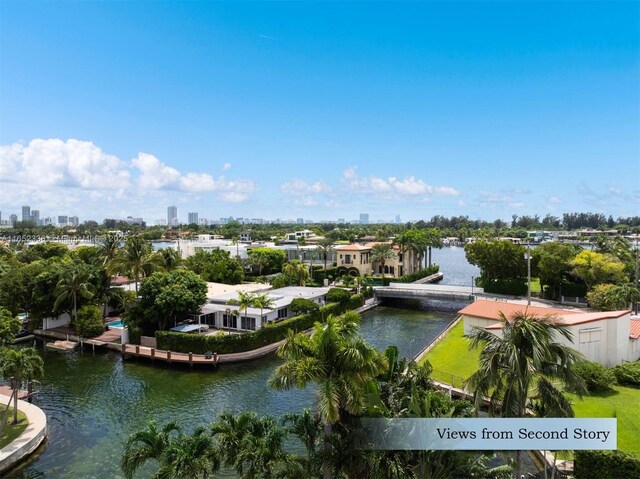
x: 93, y: 402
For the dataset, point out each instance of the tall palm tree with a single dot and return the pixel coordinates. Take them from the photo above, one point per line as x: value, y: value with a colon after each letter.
x: 297, y: 271
x: 230, y: 432
x: 145, y: 445
x: 263, y: 301
x: 325, y: 246
x: 522, y: 364
x: 170, y: 258
x: 75, y: 281
x: 108, y: 248
x: 336, y: 359
x: 623, y: 296
x: 136, y: 260
x: 244, y: 300
x: 189, y: 456
x: 22, y: 366
x: 381, y: 253
x: 308, y: 429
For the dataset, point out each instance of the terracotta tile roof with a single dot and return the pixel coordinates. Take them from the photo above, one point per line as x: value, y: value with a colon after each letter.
x: 634, y: 332
x: 352, y: 247
x: 491, y: 310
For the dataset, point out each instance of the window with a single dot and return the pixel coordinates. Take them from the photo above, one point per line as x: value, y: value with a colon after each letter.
x: 347, y: 259
x: 248, y: 323
x: 229, y: 321
x: 282, y: 313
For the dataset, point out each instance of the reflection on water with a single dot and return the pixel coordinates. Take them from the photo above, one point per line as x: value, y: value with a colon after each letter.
x: 94, y: 402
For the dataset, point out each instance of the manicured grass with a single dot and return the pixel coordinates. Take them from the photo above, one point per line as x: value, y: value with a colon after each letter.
x: 623, y: 404
x: 451, y: 359
x: 13, y: 431
x: 535, y: 285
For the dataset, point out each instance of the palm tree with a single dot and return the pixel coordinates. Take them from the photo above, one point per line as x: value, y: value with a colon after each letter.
x: 136, y: 260
x: 263, y: 301
x: 336, y: 359
x: 296, y: 270
x: 108, y: 248
x: 381, y: 253
x: 522, y: 364
x: 244, y: 300
x: 189, y: 456
x: 308, y: 429
x: 230, y: 432
x: 22, y: 366
x: 623, y: 296
x: 170, y: 258
x: 74, y: 282
x: 142, y: 446
x: 325, y: 246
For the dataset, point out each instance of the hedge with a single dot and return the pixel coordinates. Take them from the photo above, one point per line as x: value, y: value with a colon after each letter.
x: 595, y: 376
x: 236, y: 343
x: 606, y: 465
x: 512, y: 286
x: 423, y: 273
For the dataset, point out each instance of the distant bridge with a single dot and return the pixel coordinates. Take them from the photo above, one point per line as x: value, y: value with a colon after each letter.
x: 428, y: 291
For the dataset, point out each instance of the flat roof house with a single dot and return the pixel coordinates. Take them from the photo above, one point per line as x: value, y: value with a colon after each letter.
x: 606, y: 337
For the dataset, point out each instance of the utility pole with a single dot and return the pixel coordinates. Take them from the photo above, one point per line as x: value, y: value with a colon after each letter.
x: 636, y: 275
x: 528, y: 274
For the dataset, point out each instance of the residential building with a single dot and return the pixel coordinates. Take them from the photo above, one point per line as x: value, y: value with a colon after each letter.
x: 172, y: 216
x: 607, y: 337
x: 221, y: 314
x: 358, y: 258
x: 192, y: 218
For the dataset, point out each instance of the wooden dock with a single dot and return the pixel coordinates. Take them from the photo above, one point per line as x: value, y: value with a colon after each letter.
x: 133, y: 350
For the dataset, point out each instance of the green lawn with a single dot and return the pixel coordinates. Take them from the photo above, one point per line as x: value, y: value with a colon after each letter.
x: 623, y: 403
x: 453, y: 362
x: 451, y: 359
x: 10, y: 431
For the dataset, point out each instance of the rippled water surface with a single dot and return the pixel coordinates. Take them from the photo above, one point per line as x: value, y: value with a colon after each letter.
x: 93, y: 402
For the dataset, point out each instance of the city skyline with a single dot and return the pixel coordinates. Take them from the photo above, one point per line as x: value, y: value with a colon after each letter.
x: 320, y: 111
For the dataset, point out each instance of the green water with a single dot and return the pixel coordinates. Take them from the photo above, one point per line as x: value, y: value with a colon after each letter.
x: 94, y: 402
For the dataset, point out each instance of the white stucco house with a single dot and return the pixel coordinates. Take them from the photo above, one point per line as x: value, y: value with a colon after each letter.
x: 219, y: 313
x: 606, y: 337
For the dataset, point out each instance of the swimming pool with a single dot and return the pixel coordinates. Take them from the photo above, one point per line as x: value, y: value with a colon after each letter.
x: 116, y: 324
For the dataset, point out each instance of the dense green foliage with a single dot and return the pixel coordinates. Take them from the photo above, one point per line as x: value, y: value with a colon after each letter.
x: 423, y: 273
x: 596, y: 377
x: 512, y: 286
x: 9, y: 327
x: 597, y: 268
x: 497, y: 259
x: 628, y: 373
x: 611, y: 297
x: 166, y: 298
x: 303, y: 306
x: 552, y: 264
x: 267, y: 260
x: 606, y: 465
x: 89, y: 323
x: 216, y: 266
x: 338, y: 295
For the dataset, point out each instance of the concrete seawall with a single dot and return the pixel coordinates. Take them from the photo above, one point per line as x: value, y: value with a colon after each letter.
x: 25, y: 444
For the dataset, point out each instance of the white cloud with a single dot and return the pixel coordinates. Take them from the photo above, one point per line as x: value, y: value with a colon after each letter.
x: 305, y: 201
x: 555, y: 200
x: 298, y: 187
x: 54, y: 162
x: 408, y: 186
x: 226, y: 166
x: 349, y: 173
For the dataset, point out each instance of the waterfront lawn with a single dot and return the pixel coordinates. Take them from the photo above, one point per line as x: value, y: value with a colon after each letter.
x: 451, y: 359
x: 11, y: 431
x: 623, y: 404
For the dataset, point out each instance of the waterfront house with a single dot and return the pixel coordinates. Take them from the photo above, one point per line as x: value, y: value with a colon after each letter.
x: 356, y: 259
x: 219, y: 311
x: 606, y: 337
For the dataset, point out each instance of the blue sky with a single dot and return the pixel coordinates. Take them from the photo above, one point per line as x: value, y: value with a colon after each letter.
x: 320, y: 110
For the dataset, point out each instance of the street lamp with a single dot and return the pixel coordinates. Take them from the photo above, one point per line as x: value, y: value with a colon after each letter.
x: 527, y: 256
x: 472, y: 281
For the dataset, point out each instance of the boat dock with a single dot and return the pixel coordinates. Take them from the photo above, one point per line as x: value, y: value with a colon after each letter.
x: 134, y: 350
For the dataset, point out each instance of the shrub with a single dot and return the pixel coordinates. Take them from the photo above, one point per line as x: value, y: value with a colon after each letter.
x: 598, y: 297
x: 595, y: 376
x: 89, y: 323
x: 303, y: 306
x: 423, y: 273
x: 628, y: 373
x: 356, y: 301
x: 338, y: 295
x: 511, y: 286
x: 606, y: 465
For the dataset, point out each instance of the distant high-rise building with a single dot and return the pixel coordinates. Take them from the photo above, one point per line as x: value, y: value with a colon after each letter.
x: 398, y: 220
x: 74, y: 221
x: 192, y: 218
x: 13, y: 219
x: 26, y: 213
x: 161, y: 222
x: 300, y: 221
x: 364, y: 218
x: 35, y: 216
x: 63, y: 220
x: 172, y: 216
x: 341, y: 221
